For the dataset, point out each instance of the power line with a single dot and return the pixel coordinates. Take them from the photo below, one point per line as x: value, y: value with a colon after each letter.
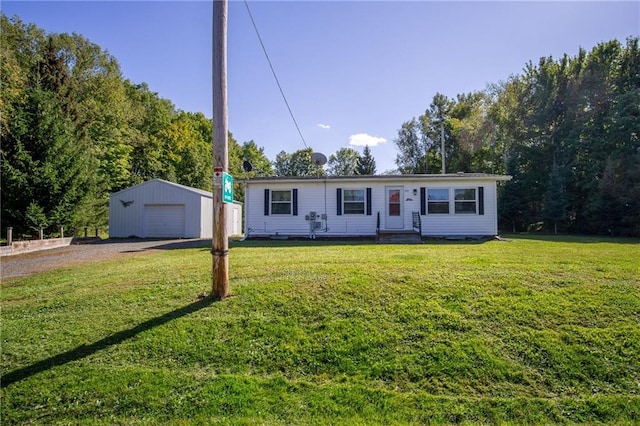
x: 274, y: 74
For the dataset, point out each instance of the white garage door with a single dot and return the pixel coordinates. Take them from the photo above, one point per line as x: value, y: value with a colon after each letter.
x: 164, y: 221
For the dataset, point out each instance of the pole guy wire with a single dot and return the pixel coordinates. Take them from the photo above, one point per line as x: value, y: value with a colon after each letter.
x: 274, y: 73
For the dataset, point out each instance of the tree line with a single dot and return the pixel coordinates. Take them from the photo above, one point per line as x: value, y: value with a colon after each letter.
x: 74, y: 130
x: 344, y: 162
x: 567, y: 130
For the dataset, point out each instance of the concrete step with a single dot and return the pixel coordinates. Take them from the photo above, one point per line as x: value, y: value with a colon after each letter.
x: 400, y: 237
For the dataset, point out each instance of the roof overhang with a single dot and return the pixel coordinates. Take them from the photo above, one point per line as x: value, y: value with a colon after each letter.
x: 382, y: 178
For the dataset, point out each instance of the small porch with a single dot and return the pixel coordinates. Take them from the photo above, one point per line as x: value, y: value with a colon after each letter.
x: 401, y: 236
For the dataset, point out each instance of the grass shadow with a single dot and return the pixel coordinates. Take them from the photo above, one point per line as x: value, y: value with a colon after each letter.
x: 162, y: 244
x: 86, y: 350
x: 178, y: 245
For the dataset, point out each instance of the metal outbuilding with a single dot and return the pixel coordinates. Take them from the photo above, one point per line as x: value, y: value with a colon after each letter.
x: 162, y: 209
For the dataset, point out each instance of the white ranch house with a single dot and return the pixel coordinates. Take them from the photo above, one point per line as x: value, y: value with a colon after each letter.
x: 461, y: 204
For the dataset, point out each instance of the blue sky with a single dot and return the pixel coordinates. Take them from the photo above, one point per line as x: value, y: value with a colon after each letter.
x: 352, y: 71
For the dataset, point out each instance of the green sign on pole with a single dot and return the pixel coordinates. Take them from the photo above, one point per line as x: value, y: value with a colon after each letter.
x: 227, y: 188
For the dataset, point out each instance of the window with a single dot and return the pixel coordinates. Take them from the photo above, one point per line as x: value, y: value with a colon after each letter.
x: 394, y: 202
x: 280, y: 202
x: 438, y: 201
x: 353, y: 201
x: 465, y: 201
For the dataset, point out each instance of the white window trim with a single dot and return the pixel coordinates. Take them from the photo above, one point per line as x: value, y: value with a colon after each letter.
x: 452, y: 201
x: 474, y: 201
x: 448, y: 201
x: 290, y: 202
x: 364, y: 201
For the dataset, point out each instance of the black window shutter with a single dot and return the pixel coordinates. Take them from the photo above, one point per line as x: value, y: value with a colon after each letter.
x: 481, y: 200
x: 368, y: 201
x: 266, y: 202
x: 423, y: 201
x: 295, y: 202
x: 339, y: 201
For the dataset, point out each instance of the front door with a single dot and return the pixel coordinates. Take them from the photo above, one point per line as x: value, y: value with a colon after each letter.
x: 394, y: 218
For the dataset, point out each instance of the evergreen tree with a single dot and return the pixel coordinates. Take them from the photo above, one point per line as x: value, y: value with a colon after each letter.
x: 511, y: 204
x: 366, y: 162
x: 46, y: 160
x: 555, y: 203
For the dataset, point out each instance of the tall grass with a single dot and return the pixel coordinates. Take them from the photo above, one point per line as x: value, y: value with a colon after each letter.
x: 527, y: 331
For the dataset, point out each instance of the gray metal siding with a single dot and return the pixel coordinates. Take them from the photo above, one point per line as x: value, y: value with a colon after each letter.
x: 198, y: 209
x: 164, y: 220
x: 129, y: 221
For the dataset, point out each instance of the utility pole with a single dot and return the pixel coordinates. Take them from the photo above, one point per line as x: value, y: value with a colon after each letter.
x: 444, y: 170
x: 220, y: 242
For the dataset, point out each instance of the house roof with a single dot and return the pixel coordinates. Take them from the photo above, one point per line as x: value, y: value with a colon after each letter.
x: 420, y: 177
x: 200, y: 192
x: 166, y: 182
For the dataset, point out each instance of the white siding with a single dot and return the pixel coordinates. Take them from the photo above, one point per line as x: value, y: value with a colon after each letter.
x: 234, y: 219
x: 320, y: 196
x: 311, y: 197
x: 233, y: 212
x: 464, y: 224
x: 206, y: 217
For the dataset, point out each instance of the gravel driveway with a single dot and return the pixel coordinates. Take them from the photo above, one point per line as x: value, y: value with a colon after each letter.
x: 30, y: 263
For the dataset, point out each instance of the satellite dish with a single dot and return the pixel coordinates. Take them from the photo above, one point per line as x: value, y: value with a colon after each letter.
x: 246, y: 165
x: 318, y: 159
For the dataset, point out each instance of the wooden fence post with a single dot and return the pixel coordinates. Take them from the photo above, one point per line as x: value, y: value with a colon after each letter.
x: 9, y: 235
x: 86, y: 232
x: 41, y: 233
x: 62, y: 232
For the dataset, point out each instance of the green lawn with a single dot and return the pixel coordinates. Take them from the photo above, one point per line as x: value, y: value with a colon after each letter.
x: 529, y: 331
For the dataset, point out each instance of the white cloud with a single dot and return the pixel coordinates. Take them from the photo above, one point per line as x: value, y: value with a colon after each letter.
x: 362, y: 139
x: 324, y: 126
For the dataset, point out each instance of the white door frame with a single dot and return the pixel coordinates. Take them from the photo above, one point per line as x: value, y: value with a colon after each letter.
x: 394, y: 207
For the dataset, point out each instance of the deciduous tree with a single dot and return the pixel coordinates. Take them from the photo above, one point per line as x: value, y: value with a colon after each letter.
x: 297, y: 164
x: 344, y: 162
